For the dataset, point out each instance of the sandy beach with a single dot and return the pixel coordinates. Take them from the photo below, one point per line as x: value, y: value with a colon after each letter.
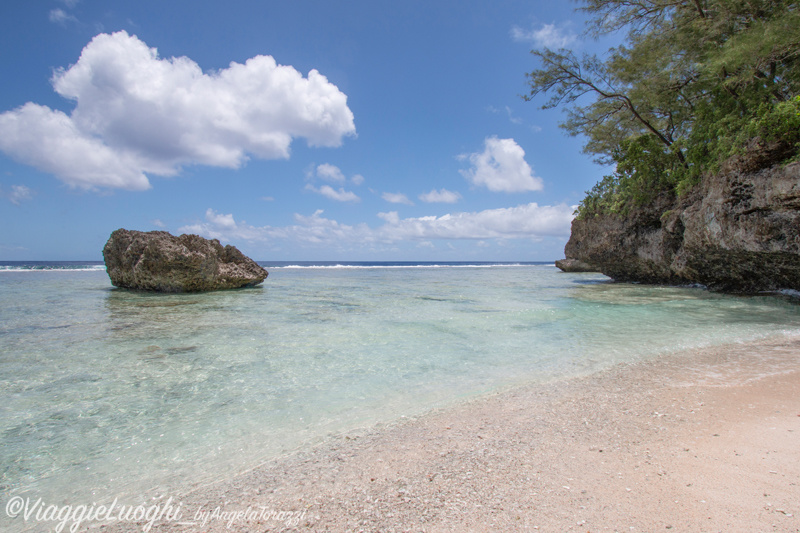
x: 707, y: 440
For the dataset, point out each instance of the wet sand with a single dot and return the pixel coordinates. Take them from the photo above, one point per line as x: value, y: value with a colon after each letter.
x: 707, y: 440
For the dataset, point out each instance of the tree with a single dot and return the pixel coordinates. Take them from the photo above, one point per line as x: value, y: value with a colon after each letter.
x: 685, y: 67
x: 618, y: 111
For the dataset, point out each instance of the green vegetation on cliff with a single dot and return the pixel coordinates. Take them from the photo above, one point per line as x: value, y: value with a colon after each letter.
x: 695, y: 82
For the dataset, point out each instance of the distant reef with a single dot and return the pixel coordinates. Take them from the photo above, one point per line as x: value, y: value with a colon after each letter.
x: 158, y: 261
x: 737, y: 231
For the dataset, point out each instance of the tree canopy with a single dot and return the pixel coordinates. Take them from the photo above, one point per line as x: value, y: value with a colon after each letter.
x: 692, y: 84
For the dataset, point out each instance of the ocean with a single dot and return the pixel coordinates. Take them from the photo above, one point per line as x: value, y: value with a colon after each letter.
x: 111, y: 394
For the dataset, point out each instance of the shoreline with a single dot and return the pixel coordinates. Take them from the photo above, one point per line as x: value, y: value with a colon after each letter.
x: 704, y: 440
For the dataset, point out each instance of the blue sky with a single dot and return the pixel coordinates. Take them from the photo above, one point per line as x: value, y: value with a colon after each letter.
x: 295, y: 130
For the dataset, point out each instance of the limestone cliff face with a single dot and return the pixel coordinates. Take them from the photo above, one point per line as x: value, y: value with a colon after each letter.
x: 738, y: 231
x: 158, y: 261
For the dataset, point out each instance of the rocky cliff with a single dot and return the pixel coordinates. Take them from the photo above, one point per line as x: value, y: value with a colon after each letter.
x: 158, y: 261
x: 738, y: 231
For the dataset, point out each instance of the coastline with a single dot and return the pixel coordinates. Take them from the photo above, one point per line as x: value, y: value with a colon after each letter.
x: 697, y: 441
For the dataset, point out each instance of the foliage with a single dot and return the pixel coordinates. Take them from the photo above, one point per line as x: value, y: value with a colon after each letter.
x: 722, y: 130
x: 693, y: 83
x: 644, y: 170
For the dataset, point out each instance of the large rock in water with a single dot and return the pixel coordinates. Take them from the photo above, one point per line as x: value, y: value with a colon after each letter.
x: 158, y: 261
x: 738, y: 231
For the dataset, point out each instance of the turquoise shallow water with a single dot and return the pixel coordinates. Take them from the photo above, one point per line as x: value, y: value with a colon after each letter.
x: 108, y: 393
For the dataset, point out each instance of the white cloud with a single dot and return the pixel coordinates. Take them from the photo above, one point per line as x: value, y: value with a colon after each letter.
x: 18, y: 194
x: 59, y: 16
x: 396, y: 198
x: 512, y: 118
x: 138, y: 114
x: 340, y: 196
x: 501, y: 167
x: 224, y: 228
x: 524, y: 221
x: 391, y: 217
x: 219, y: 220
x: 318, y: 229
x: 330, y: 173
x: 50, y: 141
x: 528, y: 221
x: 314, y: 229
x: 546, y: 36
x: 442, y: 196
x: 157, y: 222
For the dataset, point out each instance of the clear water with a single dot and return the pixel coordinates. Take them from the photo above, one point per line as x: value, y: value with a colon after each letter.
x: 108, y: 393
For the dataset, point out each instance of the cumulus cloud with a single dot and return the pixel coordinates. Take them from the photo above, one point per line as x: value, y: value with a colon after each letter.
x: 396, y: 198
x: 441, y: 196
x: 528, y: 221
x: 225, y: 228
x: 501, y: 167
x: 330, y: 173
x: 50, y: 141
x: 546, y: 36
x: 340, y: 196
x: 221, y: 221
x: 137, y: 114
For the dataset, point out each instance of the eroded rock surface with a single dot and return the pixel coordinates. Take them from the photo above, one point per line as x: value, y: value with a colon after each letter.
x: 739, y: 231
x: 159, y: 261
x: 575, y: 265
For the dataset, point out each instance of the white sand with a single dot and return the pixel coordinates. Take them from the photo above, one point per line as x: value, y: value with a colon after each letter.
x: 701, y: 441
